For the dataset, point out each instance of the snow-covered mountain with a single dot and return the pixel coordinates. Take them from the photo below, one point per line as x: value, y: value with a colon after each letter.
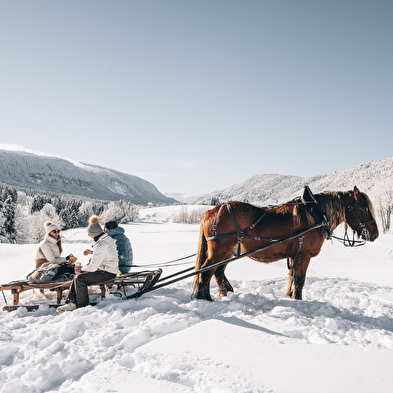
x: 185, y: 198
x: 53, y: 175
x: 374, y: 178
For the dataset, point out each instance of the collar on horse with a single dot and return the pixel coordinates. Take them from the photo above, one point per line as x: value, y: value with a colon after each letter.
x: 313, y: 207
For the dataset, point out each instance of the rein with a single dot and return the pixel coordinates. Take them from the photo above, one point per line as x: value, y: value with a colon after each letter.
x: 347, y: 241
x: 173, y: 262
x: 218, y: 264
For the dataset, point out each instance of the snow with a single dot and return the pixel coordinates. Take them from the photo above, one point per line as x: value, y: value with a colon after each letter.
x: 339, y: 338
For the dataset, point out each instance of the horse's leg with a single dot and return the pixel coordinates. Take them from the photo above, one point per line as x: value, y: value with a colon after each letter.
x: 297, y: 277
x: 222, y: 281
x: 202, y: 286
x: 290, y: 284
x: 208, y: 254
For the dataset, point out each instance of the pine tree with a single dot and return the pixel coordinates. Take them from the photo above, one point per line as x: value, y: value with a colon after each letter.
x: 37, y: 204
x: 58, y: 204
x: 98, y: 208
x: 65, y: 216
x: 73, y: 206
x: 3, y: 237
x: 9, y: 192
x: 9, y: 207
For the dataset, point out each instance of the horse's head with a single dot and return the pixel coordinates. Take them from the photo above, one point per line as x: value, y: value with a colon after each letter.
x: 360, y: 216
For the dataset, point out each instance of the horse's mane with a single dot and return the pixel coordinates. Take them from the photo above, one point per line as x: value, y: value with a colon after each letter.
x: 296, y: 209
x: 370, y: 205
x: 332, y: 204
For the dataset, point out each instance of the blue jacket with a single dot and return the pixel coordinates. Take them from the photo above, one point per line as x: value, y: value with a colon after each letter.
x: 124, y: 248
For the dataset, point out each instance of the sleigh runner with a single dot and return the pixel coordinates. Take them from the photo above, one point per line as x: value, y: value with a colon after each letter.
x: 142, y: 281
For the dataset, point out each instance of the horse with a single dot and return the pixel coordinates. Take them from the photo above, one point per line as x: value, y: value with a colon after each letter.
x: 269, y: 234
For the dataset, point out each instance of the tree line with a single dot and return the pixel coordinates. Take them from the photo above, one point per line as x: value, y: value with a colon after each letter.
x: 22, y: 217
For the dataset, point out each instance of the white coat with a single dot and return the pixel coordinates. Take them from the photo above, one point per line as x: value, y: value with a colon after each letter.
x: 51, y: 251
x: 104, y: 256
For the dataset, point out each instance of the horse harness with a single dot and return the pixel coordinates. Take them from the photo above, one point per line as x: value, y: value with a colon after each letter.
x: 308, y: 200
x: 314, y: 209
x: 239, y: 233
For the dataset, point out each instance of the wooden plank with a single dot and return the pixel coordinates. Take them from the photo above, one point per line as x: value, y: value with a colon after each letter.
x: 142, y: 280
x: 30, y: 307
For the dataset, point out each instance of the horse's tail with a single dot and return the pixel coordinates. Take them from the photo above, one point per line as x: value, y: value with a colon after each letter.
x: 201, y: 255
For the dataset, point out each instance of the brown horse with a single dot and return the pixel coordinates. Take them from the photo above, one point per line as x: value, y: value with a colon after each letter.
x: 238, y: 228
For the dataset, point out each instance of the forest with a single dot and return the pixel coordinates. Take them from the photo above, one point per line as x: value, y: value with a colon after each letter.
x: 22, y: 216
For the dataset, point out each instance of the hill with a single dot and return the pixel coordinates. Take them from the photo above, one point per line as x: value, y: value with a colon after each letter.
x: 53, y: 175
x: 374, y: 178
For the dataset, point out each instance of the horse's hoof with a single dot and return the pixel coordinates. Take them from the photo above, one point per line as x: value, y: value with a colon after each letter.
x: 204, y: 297
x: 223, y: 294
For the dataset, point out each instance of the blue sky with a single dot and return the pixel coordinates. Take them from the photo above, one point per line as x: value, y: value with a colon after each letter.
x: 195, y: 96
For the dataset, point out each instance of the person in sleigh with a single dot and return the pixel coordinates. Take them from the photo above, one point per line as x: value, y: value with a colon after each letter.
x: 50, y: 250
x: 103, y: 266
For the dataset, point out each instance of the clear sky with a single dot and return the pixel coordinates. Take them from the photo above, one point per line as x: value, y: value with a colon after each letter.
x: 195, y: 96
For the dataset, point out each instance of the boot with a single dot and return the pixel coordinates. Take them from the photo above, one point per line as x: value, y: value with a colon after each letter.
x: 67, y: 307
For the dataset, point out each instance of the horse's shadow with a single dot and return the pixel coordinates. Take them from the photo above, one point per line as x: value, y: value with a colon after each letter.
x: 244, y: 324
x: 314, y: 308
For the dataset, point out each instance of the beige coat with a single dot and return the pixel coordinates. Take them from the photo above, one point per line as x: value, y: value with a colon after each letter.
x: 48, y: 251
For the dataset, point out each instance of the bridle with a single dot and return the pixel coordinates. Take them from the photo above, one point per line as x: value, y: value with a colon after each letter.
x: 355, y: 210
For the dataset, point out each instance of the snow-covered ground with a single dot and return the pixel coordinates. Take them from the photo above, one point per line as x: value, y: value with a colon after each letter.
x: 338, y: 339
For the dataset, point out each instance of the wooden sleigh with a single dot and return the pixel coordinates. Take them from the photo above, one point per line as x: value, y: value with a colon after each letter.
x: 142, y: 281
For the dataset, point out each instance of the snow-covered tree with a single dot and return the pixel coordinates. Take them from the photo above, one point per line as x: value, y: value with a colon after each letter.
x: 122, y: 212
x: 131, y: 212
x: 3, y: 237
x: 22, y: 224
x: 65, y: 216
x: 38, y: 220
x: 58, y: 204
x: 85, y: 211
x: 112, y: 212
x: 385, y: 210
x: 38, y: 203
x: 8, y: 208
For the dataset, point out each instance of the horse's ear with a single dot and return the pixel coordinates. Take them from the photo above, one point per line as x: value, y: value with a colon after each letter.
x: 356, y: 191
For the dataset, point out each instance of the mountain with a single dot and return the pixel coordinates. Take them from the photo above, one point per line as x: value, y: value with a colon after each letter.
x: 374, y: 178
x: 185, y: 198
x: 56, y: 176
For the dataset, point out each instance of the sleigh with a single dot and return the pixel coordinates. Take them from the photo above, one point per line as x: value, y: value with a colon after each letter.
x: 141, y: 281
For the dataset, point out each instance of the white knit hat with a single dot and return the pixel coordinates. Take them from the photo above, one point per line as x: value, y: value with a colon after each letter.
x: 49, y: 227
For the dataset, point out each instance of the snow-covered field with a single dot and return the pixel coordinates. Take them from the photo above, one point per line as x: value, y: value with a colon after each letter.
x: 338, y: 339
